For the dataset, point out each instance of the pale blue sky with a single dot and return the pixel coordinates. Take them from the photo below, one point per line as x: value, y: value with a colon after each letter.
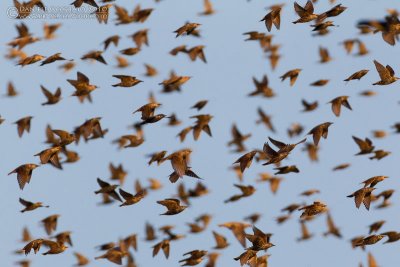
x: 225, y: 81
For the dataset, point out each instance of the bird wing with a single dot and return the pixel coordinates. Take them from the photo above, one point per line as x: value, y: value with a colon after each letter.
x: 25, y: 203
x: 102, y: 183
x: 125, y: 194
x: 269, y: 151
x: 277, y: 143
x: 383, y: 72
x: 82, y: 77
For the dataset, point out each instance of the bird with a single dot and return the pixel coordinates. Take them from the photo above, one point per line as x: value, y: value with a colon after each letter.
x: 273, y: 18
x: 314, y: 209
x: 173, y: 206
x: 366, y: 146
x: 357, y: 75
x: 29, y: 206
x: 338, y: 102
x: 108, y: 189
x: 114, y: 255
x: 23, y: 124
x: 131, y: 199
x: 24, y: 174
x: 246, y: 160
x: 319, y: 131
x: 305, y: 13
x: 50, y: 223
x: 82, y: 86
x: 386, y: 74
x: 51, y: 98
x: 292, y: 74
x: 362, y: 195
x: 187, y: 29
x: 220, y: 240
x: 126, y: 81
x: 54, y: 247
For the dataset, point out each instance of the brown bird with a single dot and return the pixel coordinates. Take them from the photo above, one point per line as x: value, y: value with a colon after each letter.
x: 29, y: 206
x: 273, y: 17
x: 108, y: 189
x: 24, y: 173
x: 220, y: 240
x: 282, y: 153
x: 82, y: 86
x: 157, y: 157
x: 371, y: 182
x: 111, y: 40
x: 245, y: 160
x: 212, y: 259
x: 262, y: 88
x: 79, y: 3
x: 357, y: 75
x: 23, y: 125
x: 201, y: 125
x: 11, y: 91
x: 50, y: 223
x: 51, y: 98
x: 196, y: 257
x: 324, y: 55
x: 305, y: 234
x: 208, y: 8
x: 147, y: 110
x: 385, y: 73
x: 259, y: 240
x: 64, y: 237
x: 130, y: 51
x: 392, y: 236
x: 238, y: 230
x: 341, y: 166
x: 164, y: 245
x: 82, y: 260
x: 114, y: 255
x: 319, y: 131
x: 238, y: 138
x: 363, y: 195
x: 30, y: 60
x: 376, y: 226
x: 338, y: 102
x: 265, y: 119
x: 332, y: 229
x: 305, y: 13
x: 51, y: 59
x: 140, y: 38
x: 312, y: 151
x: 365, y: 146
x: 26, y: 236
x: 313, y: 209
x: 369, y: 240
x: 173, y: 206
x: 126, y: 81
x: 174, y: 83
x: 248, y: 257
x: 246, y: 191
x: 54, y: 247
x: 131, y: 199
x: 309, y: 106
x: 292, y: 74
x: 187, y: 29
x: 320, y: 82
x: 150, y: 70
x: 380, y: 154
x: 50, y: 29
x: 50, y: 155
x: 200, y: 105
x: 179, y: 162
x: 286, y: 169
x: 95, y: 55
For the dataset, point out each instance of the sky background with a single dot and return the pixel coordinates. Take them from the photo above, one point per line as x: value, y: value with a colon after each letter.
x: 225, y: 81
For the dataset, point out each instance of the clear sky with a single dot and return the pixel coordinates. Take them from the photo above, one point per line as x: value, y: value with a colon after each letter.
x: 225, y: 81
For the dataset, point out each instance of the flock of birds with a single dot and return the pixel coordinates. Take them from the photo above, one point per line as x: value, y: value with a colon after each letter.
x: 274, y: 152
